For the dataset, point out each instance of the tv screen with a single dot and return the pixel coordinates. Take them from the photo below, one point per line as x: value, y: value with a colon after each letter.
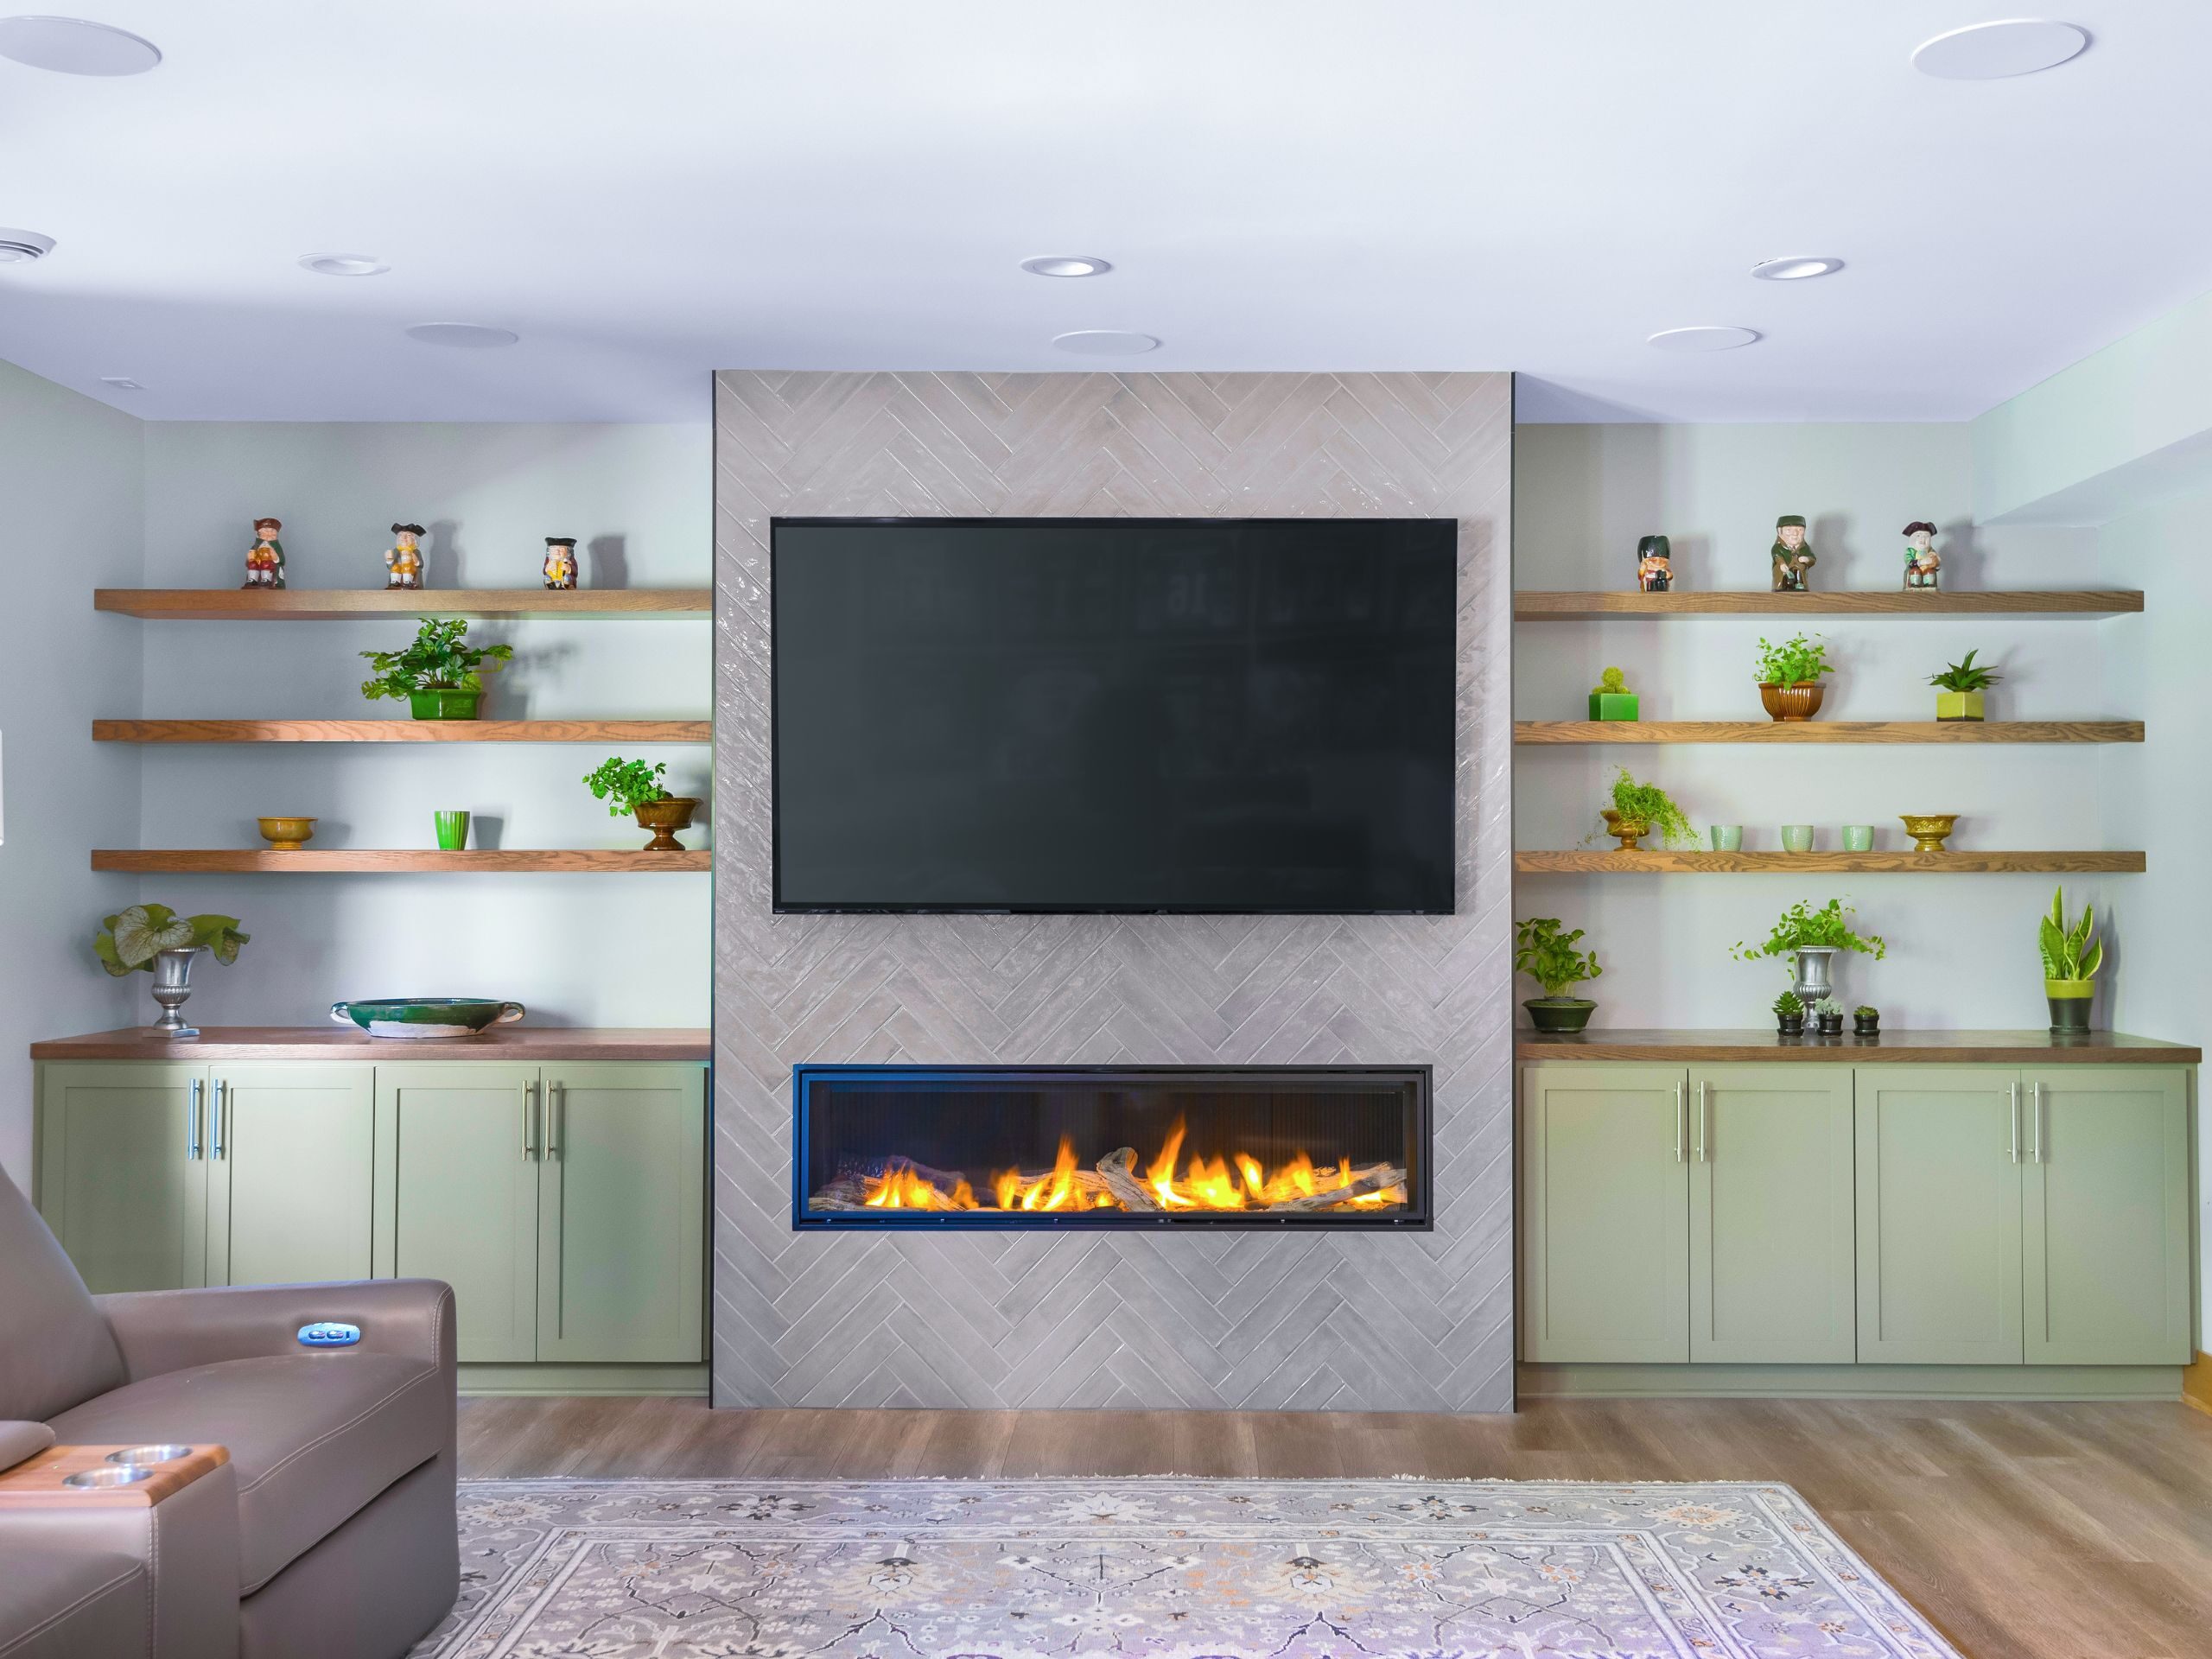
x: 1114, y: 715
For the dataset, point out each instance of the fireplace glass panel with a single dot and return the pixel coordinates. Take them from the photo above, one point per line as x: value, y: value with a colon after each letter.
x: 1110, y: 1146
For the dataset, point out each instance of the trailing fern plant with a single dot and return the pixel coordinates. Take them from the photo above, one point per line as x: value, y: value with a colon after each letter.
x: 1651, y: 806
x: 1799, y: 926
x: 2072, y: 954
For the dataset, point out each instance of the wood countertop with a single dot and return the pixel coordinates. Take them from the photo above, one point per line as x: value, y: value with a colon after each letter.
x: 1893, y: 1047
x: 334, y: 1042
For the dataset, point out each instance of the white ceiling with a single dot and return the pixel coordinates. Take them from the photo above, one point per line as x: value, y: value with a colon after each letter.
x: 649, y: 190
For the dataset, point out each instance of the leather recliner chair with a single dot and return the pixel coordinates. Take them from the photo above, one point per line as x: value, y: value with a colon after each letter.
x: 331, y: 1533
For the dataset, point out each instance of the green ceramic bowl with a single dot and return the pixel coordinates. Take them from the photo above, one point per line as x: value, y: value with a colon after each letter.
x: 417, y: 1018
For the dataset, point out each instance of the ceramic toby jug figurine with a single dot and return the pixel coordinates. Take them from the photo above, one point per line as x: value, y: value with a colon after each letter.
x: 1655, y: 565
x: 560, y: 564
x: 1791, y: 554
x: 264, y: 560
x: 1921, y: 563
x: 403, y: 560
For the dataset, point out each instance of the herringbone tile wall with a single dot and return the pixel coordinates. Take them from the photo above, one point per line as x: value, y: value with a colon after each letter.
x: 1411, y: 1322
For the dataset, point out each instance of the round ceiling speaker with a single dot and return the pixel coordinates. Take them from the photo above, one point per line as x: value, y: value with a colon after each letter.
x: 71, y: 46
x: 470, y: 336
x: 1105, y: 342
x: 2017, y: 46
x: 1711, y: 337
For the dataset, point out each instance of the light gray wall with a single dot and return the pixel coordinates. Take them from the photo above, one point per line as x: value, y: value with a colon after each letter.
x: 1259, y: 1319
x: 1962, y: 947
x: 69, y: 509
x: 579, y: 949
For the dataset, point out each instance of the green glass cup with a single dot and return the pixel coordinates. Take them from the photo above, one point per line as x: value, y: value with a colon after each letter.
x: 452, y: 831
x: 1857, y: 838
x: 1727, y: 838
x: 1797, y: 837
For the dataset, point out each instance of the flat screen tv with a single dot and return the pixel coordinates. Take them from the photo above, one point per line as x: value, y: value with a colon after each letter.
x: 1076, y: 714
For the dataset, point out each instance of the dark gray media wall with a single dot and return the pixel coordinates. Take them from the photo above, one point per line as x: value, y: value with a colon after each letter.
x: 1262, y: 1319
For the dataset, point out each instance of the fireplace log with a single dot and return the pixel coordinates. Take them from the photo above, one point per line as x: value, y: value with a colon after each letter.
x: 1118, y: 1170
x: 1378, y: 1177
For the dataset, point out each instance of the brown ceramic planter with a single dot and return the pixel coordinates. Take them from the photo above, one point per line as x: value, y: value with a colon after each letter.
x: 663, y: 817
x: 1798, y: 702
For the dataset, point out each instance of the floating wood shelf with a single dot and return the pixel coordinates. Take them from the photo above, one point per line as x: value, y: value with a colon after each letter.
x: 1894, y: 602
x: 1651, y: 861
x: 1827, y: 731
x: 403, y: 731
x: 370, y: 860
x: 346, y: 604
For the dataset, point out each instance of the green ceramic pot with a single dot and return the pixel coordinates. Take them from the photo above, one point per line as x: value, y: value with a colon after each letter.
x: 1560, y: 1013
x: 2070, y: 1001
x: 1613, y: 705
x: 443, y: 705
x: 419, y: 1018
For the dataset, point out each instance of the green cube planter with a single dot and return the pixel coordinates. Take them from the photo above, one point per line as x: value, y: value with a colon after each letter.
x: 443, y: 704
x: 1958, y: 705
x: 1612, y: 705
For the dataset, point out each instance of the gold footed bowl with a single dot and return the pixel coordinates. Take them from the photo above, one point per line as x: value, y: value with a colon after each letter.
x: 1927, y: 829
x: 1628, y: 831
x: 287, y: 835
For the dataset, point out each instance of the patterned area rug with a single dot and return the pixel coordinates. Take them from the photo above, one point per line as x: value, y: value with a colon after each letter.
x: 1161, y: 1569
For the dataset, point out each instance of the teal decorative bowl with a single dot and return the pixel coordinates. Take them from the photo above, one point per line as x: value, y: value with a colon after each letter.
x: 417, y: 1018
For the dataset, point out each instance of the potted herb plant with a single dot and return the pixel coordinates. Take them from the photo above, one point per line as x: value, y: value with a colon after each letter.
x: 2071, y: 956
x: 1866, y: 1020
x: 1828, y: 1017
x: 1548, y: 957
x: 1958, y: 689
x: 1789, y: 675
x: 1640, y: 809
x: 1811, y: 937
x: 1610, y: 699
x: 633, y: 786
x: 153, y: 939
x: 1789, y: 1014
x: 438, y: 673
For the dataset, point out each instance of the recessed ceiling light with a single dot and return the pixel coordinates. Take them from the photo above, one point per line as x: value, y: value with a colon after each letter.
x: 71, y: 46
x: 121, y: 382
x: 2017, y: 46
x: 475, y: 336
x: 1066, y: 264
x: 1795, y: 271
x: 1707, y: 337
x: 1105, y: 342
x: 343, y: 264
x: 21, y: 247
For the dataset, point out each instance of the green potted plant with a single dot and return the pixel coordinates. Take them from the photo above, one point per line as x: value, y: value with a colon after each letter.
x: 1811, y: 938
x: 1640, y: 809
x: 1958, y: 689
x: 1828, y: 1017
x: 2071, y: 956
x: 1866, y: 1020
x: 1789, y: 675
x: 1610, y: 699
x: 153, y: 939
x: 633, y: 788
x: 1548, y: 957
x: 1789, y: 1014
x: 438, y: 672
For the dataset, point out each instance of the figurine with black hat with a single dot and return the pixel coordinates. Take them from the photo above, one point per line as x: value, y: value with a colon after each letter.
x: 1655, y: 567
x: 1921, y: 563
x: 560, y: 563
x: 1792, y: 555
x: 403, y: 560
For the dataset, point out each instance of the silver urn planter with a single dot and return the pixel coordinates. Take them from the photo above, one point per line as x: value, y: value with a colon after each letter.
x: 1815, y: 976
x: 172, y: 986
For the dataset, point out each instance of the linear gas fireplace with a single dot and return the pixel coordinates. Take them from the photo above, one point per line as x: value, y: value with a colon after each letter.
x: 1093, y: 1146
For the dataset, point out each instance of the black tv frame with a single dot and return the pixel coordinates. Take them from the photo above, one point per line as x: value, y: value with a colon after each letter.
x: 777, y: 905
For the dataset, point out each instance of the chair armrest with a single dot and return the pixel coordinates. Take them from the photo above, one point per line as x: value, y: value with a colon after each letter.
x: 163, y: 1330
x: 19, y: 1439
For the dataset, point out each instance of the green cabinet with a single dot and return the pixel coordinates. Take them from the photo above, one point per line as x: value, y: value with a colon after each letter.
x: 123, y: 1172
x: 1770, y: 1233
x: 289, y: 1183
x: 1604, y: 1213
x: 2105, y: 1234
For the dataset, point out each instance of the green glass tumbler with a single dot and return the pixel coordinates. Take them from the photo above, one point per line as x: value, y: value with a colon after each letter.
x: 452, y: 831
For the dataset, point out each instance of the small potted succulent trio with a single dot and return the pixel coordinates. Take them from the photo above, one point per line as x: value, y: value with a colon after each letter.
x: 1638, y: 810
x: 1789, y: 675
x: 1959, y: 690
x: 633, y: 788
x: 2071, y: 956
x: 1548, y: 957
x: 438, y: 674
x: 1828, y: 1017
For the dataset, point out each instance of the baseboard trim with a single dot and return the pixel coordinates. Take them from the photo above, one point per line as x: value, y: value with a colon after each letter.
x: 1859, y: 1382
x: 2196, y: 1383
x: 678, y: 1381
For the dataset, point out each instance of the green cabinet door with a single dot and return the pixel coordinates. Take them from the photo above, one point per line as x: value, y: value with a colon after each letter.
x: 467, y: 1139
x: 621, y: 1246
x: 1940, y: 1163
x: 2106, y: 1233
x: 291, y: 1172
x: 122, y: 1171
x: 1604, y: 1213
x: 1772, y: 1268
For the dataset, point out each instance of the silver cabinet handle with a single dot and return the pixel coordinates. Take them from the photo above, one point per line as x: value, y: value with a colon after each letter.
x: 2035, y: 1128
x: 192, y: 1123
x: 556, y: 1115
x: 2012, y: 1117
x: 530, y: 1120
x: 1681, y: 1124
x: 1704, y: 1121
x: 215, y: 1129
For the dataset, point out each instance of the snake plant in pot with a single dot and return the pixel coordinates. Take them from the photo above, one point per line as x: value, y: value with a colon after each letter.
x: 2071, y: 956
x: 1548, y: 957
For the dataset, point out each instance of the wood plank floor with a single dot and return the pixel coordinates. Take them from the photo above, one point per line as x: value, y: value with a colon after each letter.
x: 2024, y: 1531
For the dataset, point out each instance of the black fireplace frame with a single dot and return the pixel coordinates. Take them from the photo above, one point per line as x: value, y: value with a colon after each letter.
x: 1418, y: 1216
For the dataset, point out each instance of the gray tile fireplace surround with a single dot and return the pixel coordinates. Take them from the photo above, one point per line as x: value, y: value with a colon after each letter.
x: 1413, y: 1321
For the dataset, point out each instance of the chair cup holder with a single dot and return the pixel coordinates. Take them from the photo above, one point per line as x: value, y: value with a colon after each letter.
x: 108, y: 1475
x: 150, y: 1454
